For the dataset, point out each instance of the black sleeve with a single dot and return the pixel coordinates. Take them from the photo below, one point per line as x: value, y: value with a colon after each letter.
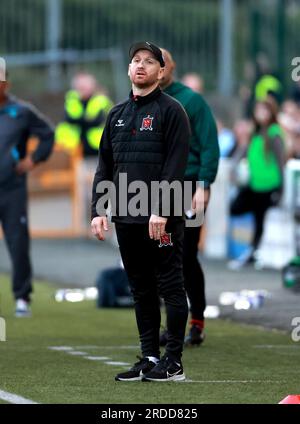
x: 104, y: 171
x: 177, y: 132
x: 40, y: 127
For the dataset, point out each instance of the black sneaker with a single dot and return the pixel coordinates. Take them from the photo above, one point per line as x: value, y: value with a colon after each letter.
x: 195, y: 337
x: 137, y: 371
x: 166, y: 370
x: 163, y: 338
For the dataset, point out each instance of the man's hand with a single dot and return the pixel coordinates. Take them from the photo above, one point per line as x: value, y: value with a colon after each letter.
x: 99, y: 224
x: 200, y: 199
x: 157, y: 226
x: 25, y: 165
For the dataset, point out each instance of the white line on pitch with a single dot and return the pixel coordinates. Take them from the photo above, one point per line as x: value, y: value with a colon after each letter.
x: 228, y: 381
x: 108, y: 347
x: 62, y: 348
x: 276, y: 347
x: 116, y: 363
x: 76, y: 353
x: 12, y: 398
x: 97, y: 358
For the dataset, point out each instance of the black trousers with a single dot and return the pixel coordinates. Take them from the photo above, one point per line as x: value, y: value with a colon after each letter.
x: 258, y: 203
x: 13, y: 217
x: 155, y: 271
x: 194, y: 281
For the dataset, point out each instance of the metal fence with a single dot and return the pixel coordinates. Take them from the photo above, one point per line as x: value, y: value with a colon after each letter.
x: 212, y: 37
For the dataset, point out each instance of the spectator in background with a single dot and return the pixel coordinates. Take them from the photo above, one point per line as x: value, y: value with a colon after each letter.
x: 19, y: 121
x: 226, y: 140
x: 266, y: 158
x: 194, y: 81
x: 239, y: 175
x: 242, y: 131
x: 261, y: 84
x: 202, y: 166
x: 289, y: 119
x: 86, y: 108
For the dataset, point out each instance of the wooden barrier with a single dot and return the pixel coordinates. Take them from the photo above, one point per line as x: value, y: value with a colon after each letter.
x: 57, y: 176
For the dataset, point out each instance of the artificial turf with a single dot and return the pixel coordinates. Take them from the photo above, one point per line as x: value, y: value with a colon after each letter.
x: 235, y: 364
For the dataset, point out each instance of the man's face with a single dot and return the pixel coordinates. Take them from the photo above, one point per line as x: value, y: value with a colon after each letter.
x: 144, y: 69
x: 85, y: 85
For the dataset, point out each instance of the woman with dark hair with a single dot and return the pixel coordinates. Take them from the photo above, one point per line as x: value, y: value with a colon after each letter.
x: 266, y: 159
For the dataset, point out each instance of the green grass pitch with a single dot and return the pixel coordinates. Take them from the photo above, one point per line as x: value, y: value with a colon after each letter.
x: 236, y: 364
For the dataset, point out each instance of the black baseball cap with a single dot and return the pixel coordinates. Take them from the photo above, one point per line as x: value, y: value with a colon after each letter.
x: 145, y: 45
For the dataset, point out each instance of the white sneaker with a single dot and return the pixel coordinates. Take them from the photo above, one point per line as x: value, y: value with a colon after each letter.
x: 22, y: 308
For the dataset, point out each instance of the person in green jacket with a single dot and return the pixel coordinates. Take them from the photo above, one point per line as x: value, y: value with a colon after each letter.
x: 202, y: 167
x: 266, y: 158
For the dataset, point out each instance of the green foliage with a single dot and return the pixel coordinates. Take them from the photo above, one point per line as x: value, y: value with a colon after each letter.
x: 189, y: 28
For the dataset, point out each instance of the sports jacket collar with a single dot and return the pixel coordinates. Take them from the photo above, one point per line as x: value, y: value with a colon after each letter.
x: 142, y: 100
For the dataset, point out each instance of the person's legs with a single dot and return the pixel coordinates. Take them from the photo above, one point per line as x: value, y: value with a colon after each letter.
x: 193, y: 273
x: 259, y: 216
x: 171, y: 287
x: 243, y: 203
x: 194, y: 284
x: 15, y: 228
x: 262, y: 202
x: 136, y: 249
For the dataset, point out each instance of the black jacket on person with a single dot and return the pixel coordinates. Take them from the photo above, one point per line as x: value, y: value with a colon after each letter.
x: 19, y: 121
x: 146, y: 137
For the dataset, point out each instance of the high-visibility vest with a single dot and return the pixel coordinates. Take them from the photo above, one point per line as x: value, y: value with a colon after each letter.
x: 67, y: 134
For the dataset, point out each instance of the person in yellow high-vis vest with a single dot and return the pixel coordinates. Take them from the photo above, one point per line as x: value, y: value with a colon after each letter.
x: 86, y: 109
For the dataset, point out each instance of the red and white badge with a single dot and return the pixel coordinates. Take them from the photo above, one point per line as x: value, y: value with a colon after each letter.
x: 165, y: 240
x: 147, y: 123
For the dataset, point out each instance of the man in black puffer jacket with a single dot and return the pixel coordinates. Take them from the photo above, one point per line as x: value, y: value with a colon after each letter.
x: 18, y: 121
x: 146, y: 138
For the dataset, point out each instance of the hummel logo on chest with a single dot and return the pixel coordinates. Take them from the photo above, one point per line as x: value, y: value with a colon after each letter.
x: 120, y: 123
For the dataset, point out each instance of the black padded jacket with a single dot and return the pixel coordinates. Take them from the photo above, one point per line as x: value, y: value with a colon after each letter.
x: 146, y: 138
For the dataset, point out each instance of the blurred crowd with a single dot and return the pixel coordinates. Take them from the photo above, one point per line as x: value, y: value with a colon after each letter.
x: 258, y: 142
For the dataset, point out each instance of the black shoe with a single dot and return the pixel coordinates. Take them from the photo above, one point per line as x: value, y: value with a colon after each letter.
x: 163, y: 338
x: 195, y: 337
x: 137, y: 371
x: 166, y: 370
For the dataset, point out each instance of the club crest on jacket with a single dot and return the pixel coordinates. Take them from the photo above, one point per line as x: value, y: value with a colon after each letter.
x: 165, y: 240
x: 147, y: 123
